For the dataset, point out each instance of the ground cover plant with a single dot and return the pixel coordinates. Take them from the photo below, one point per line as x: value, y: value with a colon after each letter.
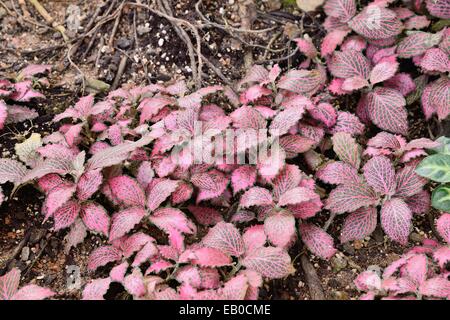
x: 210, y: 192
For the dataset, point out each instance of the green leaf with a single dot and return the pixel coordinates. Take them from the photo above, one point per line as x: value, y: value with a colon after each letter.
x: 440, y: 199
x: 444, y: 148
x: 435, y: 167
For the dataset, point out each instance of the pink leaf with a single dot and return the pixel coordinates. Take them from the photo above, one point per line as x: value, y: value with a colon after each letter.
x: 332, y: 40
x: 270, y: 262
x: 256, y: 73
x: 254, y: 93
x: 9, y: 283
x: 416, y: 269
x: 380, y: 175
x: 66, y: 214
x: 348, y: 122
x: 439, y: 98
x: 243, y: 177
x: 396, y: 220
x: 367, y: 281
x: 102, y: 256
x: 211, y: 257
x: 133, y: 243
x: 383, y: 71
x: 96, y: 289
x: 349, y: 64
x: 33, y: 292
x: 305, y: 82
x: 114, y: 155
x: 387, y: 109
x: 88, y: 184
x: 124, y: 220
x: 57, y: 197
x: 256, y: 196
x: 416, y: 44
x: 158, y: 266
x: 442, y: 256
x: 11, y: 170
x: 306, y: 209
x: 343, y: 10
x: 159, y: 192
x: 417, y: 22
x: 375, y: 22
x: 325, y: 113
x: 286, y: 119
x: 72, y: 135
x: 306, y: 46
x: 149, y: 107
x: 280, y: 228
x: 75, y: 236
x: 3, y: 114
x: 148, y: 251
x: 289, y: 178
x: 436, y: 287
x: 347, y: 149
x: 194, y: 99
x: 317, y: 240
x: 435, y: 59
x: 211, y: 184
x: 247, y: 117
x: 205, y: 216
x: 254, y: 237
x: 354, y: 83
x: 296, y: 195
x: 420, y: 202
x: 225, y: 237
x: 338, y: 173
x: 127, y: 191
x: 2, y: 196
x: 182, y: 193
x: 408, y: 182
x: 387, y: 140
x: 24, y: 92
x: 349, y: 197
x: 134, y: 283
x: 443, y: 226
x: 294, y: 144
x: 167, y: 218
x: 401, y: 82
x: 33, y: 69
x: 359, y: 224
x: 439, y: 8
x: 95, y: 217
x: 235, y: 288
x: 117, y: 273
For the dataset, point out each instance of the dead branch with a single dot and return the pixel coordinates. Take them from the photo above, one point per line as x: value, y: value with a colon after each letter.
x: 49, y: 19
x: 115, y: 26
x: 247, y: 12
x: 312, y: 280
x: 120, y: 70
x: 23, y: 7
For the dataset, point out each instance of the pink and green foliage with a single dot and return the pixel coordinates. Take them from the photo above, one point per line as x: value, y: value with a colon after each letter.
x: 396, y: 189
x: 13, y: 94
x: 420, y: 273
x: 9, y: 288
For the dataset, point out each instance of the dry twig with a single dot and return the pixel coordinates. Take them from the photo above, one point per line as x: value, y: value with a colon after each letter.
x: 49, y: 19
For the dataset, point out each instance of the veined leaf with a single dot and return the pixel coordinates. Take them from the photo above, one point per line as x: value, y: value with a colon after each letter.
x: 435, y: 167
x: 440, y: 199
